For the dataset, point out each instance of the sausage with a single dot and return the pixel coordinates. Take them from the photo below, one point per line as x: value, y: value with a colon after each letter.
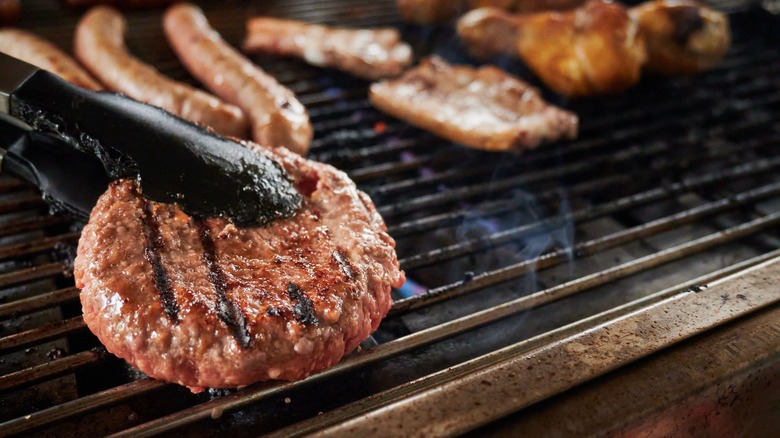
x: 277, y: 118
x: 41, y: 53
x: 9, y: 11
x: 100, y: 47
x: 366, y: 53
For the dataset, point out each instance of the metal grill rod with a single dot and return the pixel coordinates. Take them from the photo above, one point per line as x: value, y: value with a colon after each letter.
x: 468, y: 391
x: 430, y: 201
x: 50, y: 370
x: 458, y: 194
x: 31, y: 224
x: 327, y: 112
x: 32, y: 201
x: 36, y: 246
x: 494, y: 240
x: 10, y: 185
x: 41, y: 334
x: 402, y: 187
x: 80, y: 406
x: 112, y: 396
x: 38, y: 302
x: 642, y: 198
x: 422, y: 142
x: 602, y: 243
x: 33, y: 273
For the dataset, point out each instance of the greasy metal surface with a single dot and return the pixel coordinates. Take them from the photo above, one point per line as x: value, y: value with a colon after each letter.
x: 722, y: 383
x: 466, y: 396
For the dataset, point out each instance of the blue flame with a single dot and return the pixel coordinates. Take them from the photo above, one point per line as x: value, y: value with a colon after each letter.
x: 411, y: 288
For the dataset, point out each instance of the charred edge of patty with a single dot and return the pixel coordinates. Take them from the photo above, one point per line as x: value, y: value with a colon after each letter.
x: 228, y: 311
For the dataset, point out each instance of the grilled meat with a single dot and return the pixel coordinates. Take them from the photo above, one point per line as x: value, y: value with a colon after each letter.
x: 366, y: 53
x: 277, y: 118
x: 100, y: 47
x: 9, y: 11
x: 683, y: 37
x: 437, y: 11
x: 203, y: 303
x: 483, y: 108
x: 41, y: 53
x: 594, y: 49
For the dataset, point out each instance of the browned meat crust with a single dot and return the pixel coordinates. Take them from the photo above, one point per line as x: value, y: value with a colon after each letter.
x: 683, y: 37
x: 483, y: 108
x: 205, y: 304
x: 100, y: 47
x: 594, y: 49
x: 437, y: 11
x: 277, y: 117
x: 41, y: 53
x: 9, y: 11
x: 366, y: 53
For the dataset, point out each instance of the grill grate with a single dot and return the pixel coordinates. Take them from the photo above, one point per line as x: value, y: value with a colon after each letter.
x: 681, y: 170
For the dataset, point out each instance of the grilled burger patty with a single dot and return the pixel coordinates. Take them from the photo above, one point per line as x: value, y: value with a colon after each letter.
x: 203, y: 303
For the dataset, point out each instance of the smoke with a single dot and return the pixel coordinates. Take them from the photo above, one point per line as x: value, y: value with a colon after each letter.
x: 481, y: 230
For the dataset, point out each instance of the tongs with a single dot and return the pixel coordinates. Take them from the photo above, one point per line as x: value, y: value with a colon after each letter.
x: 72, y: 142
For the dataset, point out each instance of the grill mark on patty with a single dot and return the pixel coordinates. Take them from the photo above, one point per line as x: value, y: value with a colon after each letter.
x: 227, y: 309
x: 341, y: 258
x: 152, y: 250
x: 303, y: 307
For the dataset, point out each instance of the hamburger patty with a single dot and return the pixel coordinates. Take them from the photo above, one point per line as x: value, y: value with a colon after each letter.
x: 203, y: 303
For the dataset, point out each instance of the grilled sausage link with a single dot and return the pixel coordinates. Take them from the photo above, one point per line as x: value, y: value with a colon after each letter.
x: 41, y: 53
x: 277, y: 117
x: 100, y: 47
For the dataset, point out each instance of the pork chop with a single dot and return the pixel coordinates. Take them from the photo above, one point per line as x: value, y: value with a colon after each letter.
x: 484, y: 108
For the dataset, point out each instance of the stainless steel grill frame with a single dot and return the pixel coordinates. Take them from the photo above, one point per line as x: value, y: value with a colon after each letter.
x: 671, y: 186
